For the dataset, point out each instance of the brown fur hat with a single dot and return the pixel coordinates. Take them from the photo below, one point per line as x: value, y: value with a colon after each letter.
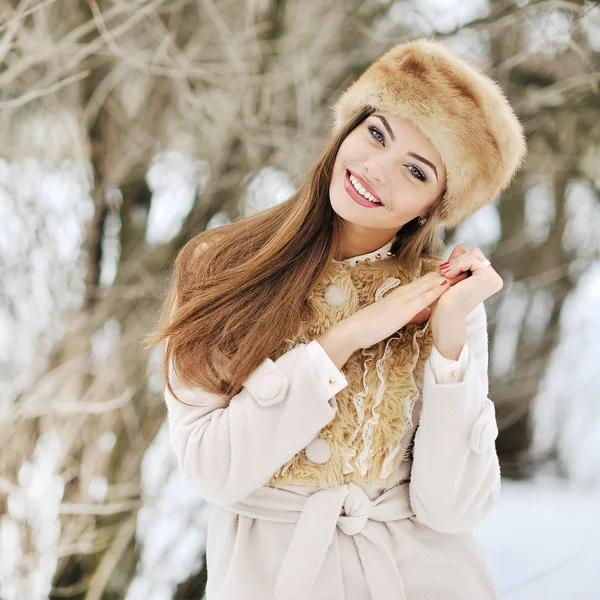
x: 463, y: 112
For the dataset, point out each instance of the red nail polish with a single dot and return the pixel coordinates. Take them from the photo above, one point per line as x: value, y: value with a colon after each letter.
x: 445, y: 269
x: 444, y: 282
x: 444, y: 264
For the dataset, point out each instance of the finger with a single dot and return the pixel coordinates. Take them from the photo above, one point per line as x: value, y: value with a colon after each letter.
x: 458, y: 278
x: 471, y: 261
x: 457, y: 251
x: 437, y: 289
x: 415, y: 288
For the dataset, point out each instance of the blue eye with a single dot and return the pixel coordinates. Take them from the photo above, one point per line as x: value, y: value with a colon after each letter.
x: 421, y: 176
x: 374, y: 132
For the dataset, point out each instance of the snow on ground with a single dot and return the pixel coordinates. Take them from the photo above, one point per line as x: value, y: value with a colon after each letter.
x: 541, y: 541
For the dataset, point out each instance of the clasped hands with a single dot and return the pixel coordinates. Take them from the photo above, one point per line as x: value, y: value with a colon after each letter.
x: 471, y: 280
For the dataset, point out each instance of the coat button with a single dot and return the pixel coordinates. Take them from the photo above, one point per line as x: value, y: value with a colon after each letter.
x: 269, y: 386
x: 335, y: 295
x: 318, y: 451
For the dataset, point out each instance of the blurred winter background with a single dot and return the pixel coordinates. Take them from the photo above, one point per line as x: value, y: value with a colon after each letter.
x: 130, y: 125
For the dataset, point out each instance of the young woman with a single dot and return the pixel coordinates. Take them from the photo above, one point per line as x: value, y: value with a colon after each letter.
x: 326, y: 373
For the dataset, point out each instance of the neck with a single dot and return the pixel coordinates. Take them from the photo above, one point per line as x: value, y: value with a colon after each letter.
x: 356, y: 244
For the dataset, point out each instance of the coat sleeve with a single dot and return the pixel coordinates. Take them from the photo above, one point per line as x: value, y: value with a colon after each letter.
x: 446, y: 370
x: 455, y: 475
x: 226, y: 451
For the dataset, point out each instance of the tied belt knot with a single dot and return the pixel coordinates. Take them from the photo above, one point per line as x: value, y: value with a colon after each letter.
x: 347, y: 507
x: 356, y: 510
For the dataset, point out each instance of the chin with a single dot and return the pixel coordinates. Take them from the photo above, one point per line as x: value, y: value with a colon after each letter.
x: 347, y: 209
x: 342, y: 206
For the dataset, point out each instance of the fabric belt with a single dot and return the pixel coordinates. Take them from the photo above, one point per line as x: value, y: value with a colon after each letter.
x: 317, y: 515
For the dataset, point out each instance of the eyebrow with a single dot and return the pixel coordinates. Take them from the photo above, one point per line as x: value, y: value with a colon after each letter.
x: 417, y: 156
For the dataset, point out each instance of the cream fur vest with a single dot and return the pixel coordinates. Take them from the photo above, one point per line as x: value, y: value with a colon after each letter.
x: 375, y: 410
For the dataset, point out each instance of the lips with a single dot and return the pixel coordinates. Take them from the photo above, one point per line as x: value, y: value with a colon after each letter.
x: 365, y: 185
x: 358, y: 198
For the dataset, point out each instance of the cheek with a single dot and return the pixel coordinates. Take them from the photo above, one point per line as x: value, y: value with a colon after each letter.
x: 338, y: 170
x: 336, y: 188
x: 407, y: 201
x: 336, y: 184
x: 353, y: 148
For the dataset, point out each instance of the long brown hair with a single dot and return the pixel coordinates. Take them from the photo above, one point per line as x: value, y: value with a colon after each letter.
x: 238, y: 291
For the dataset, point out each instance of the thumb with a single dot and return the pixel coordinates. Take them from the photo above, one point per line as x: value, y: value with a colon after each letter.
x: 420, y: 317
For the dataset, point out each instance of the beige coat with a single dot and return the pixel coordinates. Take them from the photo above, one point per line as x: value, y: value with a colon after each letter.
x: 402, y: 532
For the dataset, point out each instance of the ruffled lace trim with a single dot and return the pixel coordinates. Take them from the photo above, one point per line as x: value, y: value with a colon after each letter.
x: 364, y: 459
x: 358, y: 399
x: 409, y: 403
x: 389, y: 284
x: 359, y: 405
x: 388, y: 463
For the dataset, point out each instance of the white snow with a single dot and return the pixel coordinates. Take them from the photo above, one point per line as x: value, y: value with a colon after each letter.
x: 111, y: 243
x: 269, y: 187
x: 541, y: 540
x: 591, y: 26
x: 539, y: 211
x: 174, y: 180
x: 481, y: 229
x: 548, y: 32
x: 36, y: 503
x: 566, y: 412
x: 436, y: 16
x: 43, y: 212
x: 538, y: 316
x: 171, y: 528
x: 583, y: 219
x: 513, y: 304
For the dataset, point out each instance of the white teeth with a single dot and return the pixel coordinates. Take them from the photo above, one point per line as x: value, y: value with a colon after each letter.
x: 361, y: 190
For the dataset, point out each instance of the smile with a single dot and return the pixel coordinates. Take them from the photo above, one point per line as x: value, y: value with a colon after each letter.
x: 358, y: 193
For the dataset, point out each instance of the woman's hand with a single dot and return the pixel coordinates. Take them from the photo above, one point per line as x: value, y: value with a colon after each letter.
x: 467, y: 290
x: 407, y: 304
x: 471, y: 282
x: 444, y: 299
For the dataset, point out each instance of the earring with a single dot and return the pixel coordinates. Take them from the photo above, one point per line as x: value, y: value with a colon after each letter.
x: 422, y: 221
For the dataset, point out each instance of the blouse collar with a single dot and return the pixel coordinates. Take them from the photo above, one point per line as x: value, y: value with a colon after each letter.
x: 379, y: 254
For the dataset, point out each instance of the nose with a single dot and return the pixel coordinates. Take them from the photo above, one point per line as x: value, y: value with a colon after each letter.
x: 374, y: 171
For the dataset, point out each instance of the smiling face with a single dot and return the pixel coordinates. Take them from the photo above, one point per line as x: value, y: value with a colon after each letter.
x: 387, y: 159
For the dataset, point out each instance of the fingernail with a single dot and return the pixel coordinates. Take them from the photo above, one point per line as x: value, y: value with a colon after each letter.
x: 445, y: 269
x: 444, y: 264
x: 444, y: 282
